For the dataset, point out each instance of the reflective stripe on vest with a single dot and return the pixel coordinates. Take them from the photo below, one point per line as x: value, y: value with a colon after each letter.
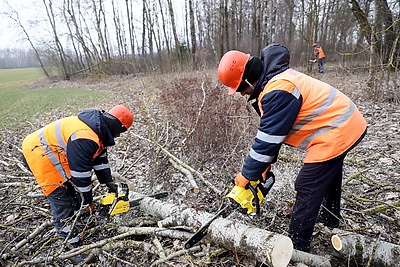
x: 45, y: 151
x: 328, y: 122
x: 54, y: 160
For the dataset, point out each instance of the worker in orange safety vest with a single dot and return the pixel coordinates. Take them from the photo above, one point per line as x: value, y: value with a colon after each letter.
x: 299, y: 111
x: 319, y: 56
x: 63, y: 155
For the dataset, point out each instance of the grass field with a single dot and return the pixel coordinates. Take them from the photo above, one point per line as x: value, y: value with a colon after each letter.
x: 19, y: 104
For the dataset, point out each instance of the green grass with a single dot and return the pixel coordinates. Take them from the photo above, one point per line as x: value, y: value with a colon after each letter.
x: 19, y: 105
x: 12, y: 77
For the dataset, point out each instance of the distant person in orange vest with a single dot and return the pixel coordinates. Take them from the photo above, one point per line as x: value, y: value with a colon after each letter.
x: 299, y: 111
x: 319, y: 56
x: 63, y: 155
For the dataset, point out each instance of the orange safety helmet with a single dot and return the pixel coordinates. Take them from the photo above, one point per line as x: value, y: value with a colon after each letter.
x: 123, y: 114
x: 231, y: 69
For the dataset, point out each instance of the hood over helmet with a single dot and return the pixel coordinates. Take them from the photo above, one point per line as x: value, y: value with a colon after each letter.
x: 275, y: 59
x: 95, y: 120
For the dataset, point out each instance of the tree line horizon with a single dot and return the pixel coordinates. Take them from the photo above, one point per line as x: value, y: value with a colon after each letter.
x: 108, y: 36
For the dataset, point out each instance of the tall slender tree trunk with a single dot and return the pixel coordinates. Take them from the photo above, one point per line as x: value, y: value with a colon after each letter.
x: 59, y: 48
x: 129, y: 16
x: 144, y: 21
x: 37, y: 55
x: 192, y: 32
x: 173, y: 26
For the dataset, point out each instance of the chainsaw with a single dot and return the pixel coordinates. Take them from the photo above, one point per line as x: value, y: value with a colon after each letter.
x: 118, y: 202
x: 248, y: 199
x: 253, y: 194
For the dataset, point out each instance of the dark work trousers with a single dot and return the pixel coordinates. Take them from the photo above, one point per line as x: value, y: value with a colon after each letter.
x: 317, y: 183
x: 321, y: 65
x: 63, y: 203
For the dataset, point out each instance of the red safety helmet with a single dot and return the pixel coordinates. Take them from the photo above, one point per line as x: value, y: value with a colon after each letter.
x: 123, y: 114
x: 231, y: 69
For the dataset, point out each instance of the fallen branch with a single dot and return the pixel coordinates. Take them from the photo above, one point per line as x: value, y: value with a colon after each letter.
x: 34, y: 234
x: 108, y: 243
x: 310, y: 259
x: 354, y: 176
x: 176, y: 254
x: 380, y: 208
x: 371, y: 251
x: 159, y: 248
x: 268, y: 247
x: 188, y: 175
x: 184, y: 165
x: 112, y: 256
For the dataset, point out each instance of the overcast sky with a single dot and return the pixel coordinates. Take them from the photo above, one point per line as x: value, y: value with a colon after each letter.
x: 31, y: 13
x: 10, y: 35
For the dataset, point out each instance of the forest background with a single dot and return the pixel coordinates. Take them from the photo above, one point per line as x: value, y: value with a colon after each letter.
x: 76, y: 37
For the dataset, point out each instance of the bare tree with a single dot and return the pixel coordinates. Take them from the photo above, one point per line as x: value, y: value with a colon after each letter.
x: 15, y: 17
x: 173, y: 26
x: 192, y: 31
x: 58, y: 45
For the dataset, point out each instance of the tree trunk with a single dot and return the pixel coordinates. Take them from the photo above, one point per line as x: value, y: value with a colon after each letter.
x: 164, y: 28
x: 364, y: 250
x: 129, y: 17
x: 58, y: 46
x: 268, y: 247
x: 174, y: 31
x: 17, y: 20
x: 192, y: 33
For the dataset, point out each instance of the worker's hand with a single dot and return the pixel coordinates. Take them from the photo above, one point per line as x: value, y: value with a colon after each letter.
x: 266, y: 173
x: 240, y: 180
x: 112, y: 187
x: 88, y: 217
x: 91, y: 207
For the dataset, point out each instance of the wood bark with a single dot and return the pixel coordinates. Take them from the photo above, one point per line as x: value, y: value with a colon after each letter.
x: 192, y: 32
x: 310, y: 259
x: 364, y: 250
x: 264, y: 246
x: 173, y: 26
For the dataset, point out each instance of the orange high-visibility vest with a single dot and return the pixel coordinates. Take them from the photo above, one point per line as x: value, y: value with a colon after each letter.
x: 45, y: 151
x: 328, y: 122
x: 319, y: 52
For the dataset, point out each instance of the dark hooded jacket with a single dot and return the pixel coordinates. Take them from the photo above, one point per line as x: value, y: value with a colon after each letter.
x: 80, y: 154
x: 280, y: 110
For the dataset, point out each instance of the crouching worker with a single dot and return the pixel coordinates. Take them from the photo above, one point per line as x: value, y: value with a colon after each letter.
x: 63, y: 155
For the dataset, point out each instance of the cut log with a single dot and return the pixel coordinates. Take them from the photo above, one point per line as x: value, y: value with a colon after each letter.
x: 365, y: 250
x: 310, y: 259
x: 264, y: 246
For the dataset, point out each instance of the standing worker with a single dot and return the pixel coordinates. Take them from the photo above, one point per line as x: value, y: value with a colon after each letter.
x: 63, y: 155
x: 303, y: 112
x: 319, y: 56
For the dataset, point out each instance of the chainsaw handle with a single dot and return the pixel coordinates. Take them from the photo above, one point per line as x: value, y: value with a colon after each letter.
x: 256, y: 199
